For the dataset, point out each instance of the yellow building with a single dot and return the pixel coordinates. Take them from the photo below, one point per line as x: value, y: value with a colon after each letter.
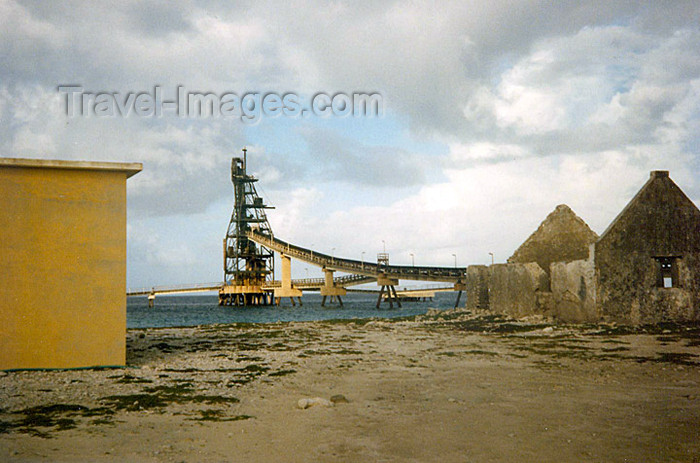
x: 63, y: 263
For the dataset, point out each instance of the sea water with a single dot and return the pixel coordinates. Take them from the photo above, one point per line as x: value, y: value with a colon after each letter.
x: 196, y: 310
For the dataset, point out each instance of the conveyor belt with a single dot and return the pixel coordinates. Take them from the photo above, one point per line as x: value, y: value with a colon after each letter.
x: 401, y: 272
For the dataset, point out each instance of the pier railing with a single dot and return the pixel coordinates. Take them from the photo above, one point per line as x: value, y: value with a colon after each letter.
x: 303, y: 283
x: 174, y: 289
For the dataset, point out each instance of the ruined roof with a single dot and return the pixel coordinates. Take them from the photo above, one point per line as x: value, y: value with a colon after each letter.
x: 660, y: 219
x: 561, y: 237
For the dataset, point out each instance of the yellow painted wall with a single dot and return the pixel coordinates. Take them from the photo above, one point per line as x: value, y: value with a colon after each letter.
x: 62, y: 267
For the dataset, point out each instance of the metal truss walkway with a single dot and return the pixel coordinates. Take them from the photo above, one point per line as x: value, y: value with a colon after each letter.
x: 369, y: 269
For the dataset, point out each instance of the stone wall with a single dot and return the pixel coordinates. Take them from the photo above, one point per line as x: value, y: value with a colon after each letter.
x: 514, y: 289
x: 477, y: 282
x: 520, y: 290
x: 629, y: 291
x: 573, y: 291
x: 645, y: 268
x: 659, y: 223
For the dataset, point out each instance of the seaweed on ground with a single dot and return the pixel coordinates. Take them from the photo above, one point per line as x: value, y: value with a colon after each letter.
x: 676, y: 358
x: 282, y: 372
x: 60, y: 417
x: 218, y: 415
x: 128, y: 379
x: 134, y: 402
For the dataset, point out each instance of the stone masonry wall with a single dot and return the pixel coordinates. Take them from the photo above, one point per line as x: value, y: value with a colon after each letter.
x: 514, y: 289
x: 573, y: 291
x: 477, y: 282
x: 659, y: 222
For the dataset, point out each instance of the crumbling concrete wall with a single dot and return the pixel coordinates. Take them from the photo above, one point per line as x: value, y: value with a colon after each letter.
x: 573, y: 291
x: 477, y: 282
x: 516, y: 289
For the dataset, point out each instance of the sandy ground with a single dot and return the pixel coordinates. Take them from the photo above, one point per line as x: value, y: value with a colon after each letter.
x: 451, y: 388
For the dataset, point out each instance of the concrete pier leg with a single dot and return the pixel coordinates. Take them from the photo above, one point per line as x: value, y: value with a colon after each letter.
x: 459, y: 296
x: 341, y: 301
x: 329, y: 288
x: 286, y: 271
x: 151, y: 300
x: 323, y: 301
x: 286, y: 289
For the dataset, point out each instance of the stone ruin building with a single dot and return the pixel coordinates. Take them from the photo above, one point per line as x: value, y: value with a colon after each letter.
x: 645, y: 268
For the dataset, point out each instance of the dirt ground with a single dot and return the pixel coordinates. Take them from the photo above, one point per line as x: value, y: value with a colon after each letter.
x: 448, y: 388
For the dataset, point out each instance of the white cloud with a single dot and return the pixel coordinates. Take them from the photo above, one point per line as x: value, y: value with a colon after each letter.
x: 15, y: 19
x: 293, y: 214
x: 465, y: 154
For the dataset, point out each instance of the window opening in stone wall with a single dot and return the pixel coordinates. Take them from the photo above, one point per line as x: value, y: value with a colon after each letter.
x: 668, y: 272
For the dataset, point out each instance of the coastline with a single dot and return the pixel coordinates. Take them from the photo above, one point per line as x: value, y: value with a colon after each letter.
x: 450, y: 386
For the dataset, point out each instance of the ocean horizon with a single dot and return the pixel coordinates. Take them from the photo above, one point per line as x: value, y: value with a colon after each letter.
x: 195, y: 310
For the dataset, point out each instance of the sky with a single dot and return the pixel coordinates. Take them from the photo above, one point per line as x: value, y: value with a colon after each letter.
x: 494, y: 112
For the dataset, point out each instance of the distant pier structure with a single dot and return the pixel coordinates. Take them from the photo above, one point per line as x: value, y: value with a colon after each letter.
x: 249, y: 249
x: 248, y: 266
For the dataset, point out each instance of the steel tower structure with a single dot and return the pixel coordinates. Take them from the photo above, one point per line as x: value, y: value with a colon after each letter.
x: 247, y: 266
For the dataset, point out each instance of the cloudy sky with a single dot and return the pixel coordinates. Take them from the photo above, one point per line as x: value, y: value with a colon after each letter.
x: 494, y: 113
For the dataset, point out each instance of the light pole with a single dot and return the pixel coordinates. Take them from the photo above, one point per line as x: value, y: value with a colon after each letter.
x: 491, y: 254
x: 413, y: 261
x: 455, y: 256
x: 384, y: 246
x: 312, y: 251
x: 307, y: 272
x: 362, y: 259
x: 332, y: 254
